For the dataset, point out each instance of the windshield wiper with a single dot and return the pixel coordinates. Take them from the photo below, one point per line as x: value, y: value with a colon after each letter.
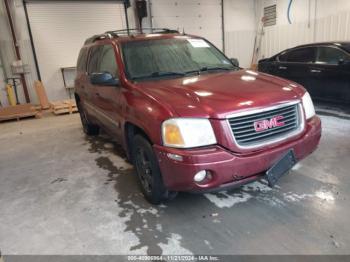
x: 159, y: 74
x: 197, y: 71
x: 169, y: 73
x: 216, y: 68
x: 206, y: 69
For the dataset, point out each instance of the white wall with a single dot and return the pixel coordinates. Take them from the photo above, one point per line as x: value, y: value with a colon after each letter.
x: 239, y: 36
x: 23, y: 40
x: 312, y: 21
x: 197, y: 17
x: 240, y: 28
x: 59, y: 29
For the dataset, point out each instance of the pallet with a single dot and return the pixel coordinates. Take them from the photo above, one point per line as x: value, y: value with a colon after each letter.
x: 37, y: 107
x: 64, y: 107
x: 18, y: 112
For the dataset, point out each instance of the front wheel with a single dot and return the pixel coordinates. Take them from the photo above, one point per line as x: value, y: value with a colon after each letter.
x: 148, y: 172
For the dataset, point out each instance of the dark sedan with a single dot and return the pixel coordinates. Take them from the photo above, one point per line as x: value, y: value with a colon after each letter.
x: 322, y: 68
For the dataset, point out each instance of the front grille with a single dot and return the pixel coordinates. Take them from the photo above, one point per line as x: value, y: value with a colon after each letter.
x: 244, y: 132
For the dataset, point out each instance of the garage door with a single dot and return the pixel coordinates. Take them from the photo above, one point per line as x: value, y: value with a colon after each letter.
x: 198, y: 17
x: 59, y: 29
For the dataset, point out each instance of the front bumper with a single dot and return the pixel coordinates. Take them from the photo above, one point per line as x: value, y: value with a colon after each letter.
x: 229, y: 169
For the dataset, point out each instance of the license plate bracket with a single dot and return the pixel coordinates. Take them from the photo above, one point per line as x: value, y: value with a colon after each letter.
x: 281, y: 167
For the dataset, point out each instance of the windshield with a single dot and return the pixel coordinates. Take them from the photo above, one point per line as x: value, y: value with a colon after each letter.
x: 173, y: 57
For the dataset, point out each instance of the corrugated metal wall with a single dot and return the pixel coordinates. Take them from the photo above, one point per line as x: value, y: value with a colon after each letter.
x: 59, y: 29
x: 240, y: 45
x: 239, y: 16
x: 198, y: 17
x: 109, y: 20
x: 334, y: 27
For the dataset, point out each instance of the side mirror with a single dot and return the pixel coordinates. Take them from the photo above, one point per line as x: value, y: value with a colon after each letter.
x: 235, y: 62
x: 343, y: 62
x: 103, y: 79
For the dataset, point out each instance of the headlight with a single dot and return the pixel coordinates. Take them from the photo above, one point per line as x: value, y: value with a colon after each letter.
x: 308, y: 106
x: 187, y: 132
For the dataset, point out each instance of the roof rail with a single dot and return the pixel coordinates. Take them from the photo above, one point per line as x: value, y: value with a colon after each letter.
x: 136, y: 31
x: 97, y: 37
x: 131, y: 31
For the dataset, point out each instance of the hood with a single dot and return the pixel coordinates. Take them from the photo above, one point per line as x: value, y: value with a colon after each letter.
x: 217, y: 95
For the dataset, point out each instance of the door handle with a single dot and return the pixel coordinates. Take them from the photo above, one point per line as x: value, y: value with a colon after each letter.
x: 315, y: 71
x: 282, y: 67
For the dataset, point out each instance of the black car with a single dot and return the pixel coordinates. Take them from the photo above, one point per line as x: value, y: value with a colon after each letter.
x: 322, y: 68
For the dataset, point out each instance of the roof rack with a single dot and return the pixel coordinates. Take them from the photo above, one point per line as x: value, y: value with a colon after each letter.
x: 96, y: 37
x: 136, y: 31
x: 130, y: 32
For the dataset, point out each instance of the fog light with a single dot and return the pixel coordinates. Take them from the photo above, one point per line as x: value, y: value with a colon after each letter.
x: 200, y: 176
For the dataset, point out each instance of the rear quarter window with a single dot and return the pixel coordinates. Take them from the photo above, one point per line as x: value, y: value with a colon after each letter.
x: 82, y: 58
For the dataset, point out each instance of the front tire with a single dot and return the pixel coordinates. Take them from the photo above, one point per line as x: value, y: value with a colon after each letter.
x: 89, y: 128
x: 148, y: 172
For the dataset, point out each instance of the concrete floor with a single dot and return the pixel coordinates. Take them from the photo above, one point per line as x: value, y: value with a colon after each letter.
x: 64, y: 193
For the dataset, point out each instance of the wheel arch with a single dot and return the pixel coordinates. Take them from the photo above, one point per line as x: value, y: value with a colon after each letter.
x: 130, y: 130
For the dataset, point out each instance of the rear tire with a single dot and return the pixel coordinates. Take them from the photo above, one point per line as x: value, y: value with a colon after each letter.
x: 148, y: 172
x: 89, y: 128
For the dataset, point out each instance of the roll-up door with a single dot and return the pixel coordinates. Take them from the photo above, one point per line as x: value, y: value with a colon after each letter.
x: 59, y: 29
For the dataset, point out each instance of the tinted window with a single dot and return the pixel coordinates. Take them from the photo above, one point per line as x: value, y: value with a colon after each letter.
x: 300, y: 55
x: 81, y: 64
x: 346, y: 47
x: 107, y: 61
x: 331, y: 55
x: 94, y: 59
x: 283, y: 57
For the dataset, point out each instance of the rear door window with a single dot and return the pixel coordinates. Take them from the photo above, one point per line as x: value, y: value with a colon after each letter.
x: 300, y: 55
x: 330, y: 55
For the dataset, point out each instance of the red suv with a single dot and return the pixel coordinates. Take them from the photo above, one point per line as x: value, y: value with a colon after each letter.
x: 188, y: 117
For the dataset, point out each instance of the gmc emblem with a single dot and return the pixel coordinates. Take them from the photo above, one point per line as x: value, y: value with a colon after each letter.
x: 262, y: 125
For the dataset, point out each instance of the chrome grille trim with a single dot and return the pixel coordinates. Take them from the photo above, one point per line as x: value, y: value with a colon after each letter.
x: 245, y: 136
